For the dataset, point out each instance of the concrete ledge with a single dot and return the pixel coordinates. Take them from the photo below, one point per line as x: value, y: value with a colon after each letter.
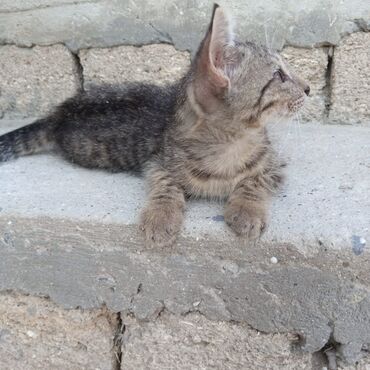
x: 70, y: 233
x: 102, y: 23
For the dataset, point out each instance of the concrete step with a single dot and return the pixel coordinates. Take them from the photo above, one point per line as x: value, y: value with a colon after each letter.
x: 70, y: 233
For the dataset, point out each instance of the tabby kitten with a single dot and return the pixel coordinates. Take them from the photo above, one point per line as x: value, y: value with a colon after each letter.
x: 204, y: 136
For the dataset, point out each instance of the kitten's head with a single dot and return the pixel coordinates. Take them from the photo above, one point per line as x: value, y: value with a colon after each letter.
x: 242, y: 82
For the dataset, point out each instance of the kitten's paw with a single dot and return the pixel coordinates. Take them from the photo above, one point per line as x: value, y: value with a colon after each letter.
x: 161, y: 224
x: 246, y: 219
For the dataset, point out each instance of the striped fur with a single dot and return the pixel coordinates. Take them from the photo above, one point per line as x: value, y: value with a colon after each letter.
x: 26, y: 140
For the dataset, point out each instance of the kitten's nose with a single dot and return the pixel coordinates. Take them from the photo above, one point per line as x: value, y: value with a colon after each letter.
x: 307, y: 90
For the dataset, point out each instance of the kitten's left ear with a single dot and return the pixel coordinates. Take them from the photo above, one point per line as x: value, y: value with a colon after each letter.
x: 213, y: 60
x: 222, y: 37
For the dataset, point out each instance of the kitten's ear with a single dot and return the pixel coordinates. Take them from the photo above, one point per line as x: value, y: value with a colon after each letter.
x: 211, y: 57
x: 222, y: 37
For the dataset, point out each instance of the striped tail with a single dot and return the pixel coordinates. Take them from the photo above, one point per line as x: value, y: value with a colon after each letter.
x: 30, y: 139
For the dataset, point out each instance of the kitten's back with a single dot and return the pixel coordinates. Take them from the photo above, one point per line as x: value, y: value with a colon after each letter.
x: 109, y: 126
x: 115, y: 128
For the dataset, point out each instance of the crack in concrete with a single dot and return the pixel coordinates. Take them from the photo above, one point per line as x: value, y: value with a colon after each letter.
x: 329, y: 80
x: 79, y: 71
x: 138, y: 291
x: 117, y: 342
x: 165, y: 35
x: 361, y: 24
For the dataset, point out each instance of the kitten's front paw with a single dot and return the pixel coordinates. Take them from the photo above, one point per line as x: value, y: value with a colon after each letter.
x: 161, y: 224
x: 246, y: 219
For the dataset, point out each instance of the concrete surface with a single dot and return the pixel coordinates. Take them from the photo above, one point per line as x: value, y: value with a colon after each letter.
x: 33, y: 81
x: 71, y: 234
x: 37, y: 334
x: 351, y: 78
x: 193, y: 342
x: 311, y: 65
x: 104, y: 23
x: 156, y: 63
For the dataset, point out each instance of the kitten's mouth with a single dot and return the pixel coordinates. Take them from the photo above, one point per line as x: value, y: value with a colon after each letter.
x: 295, y: 105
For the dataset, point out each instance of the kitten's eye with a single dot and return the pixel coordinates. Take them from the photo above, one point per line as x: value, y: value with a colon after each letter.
x: 281, y: 75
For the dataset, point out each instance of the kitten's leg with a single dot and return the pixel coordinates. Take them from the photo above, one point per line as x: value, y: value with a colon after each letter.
x: 163, y: 214
x: 247, y: 207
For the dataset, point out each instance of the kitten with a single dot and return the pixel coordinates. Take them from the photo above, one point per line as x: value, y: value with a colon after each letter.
x: 204, y: 136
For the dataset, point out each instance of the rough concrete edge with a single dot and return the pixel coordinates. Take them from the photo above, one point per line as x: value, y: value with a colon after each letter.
x: 119, y: 328
x: 327, y: 355
x: 349, y: 354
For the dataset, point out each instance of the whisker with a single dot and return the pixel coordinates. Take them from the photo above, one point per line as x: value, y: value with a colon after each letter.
x: 273, y: 125
x: 273, y: 37
x: 266, y: 39
x: 303, y: 143
x: 284, y: 142
x: 307, y: 114
x: 293, y: 122
x: 299, y: 119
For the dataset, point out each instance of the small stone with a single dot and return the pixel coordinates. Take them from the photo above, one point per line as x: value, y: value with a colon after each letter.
x: 197, y: 339
x: 346, y: 187
x: 218, y: 218
x: 274, y: 260
x: 196, y: 304
x: 231, y: 267
x: 31, y: 334
x: 358, y: 244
